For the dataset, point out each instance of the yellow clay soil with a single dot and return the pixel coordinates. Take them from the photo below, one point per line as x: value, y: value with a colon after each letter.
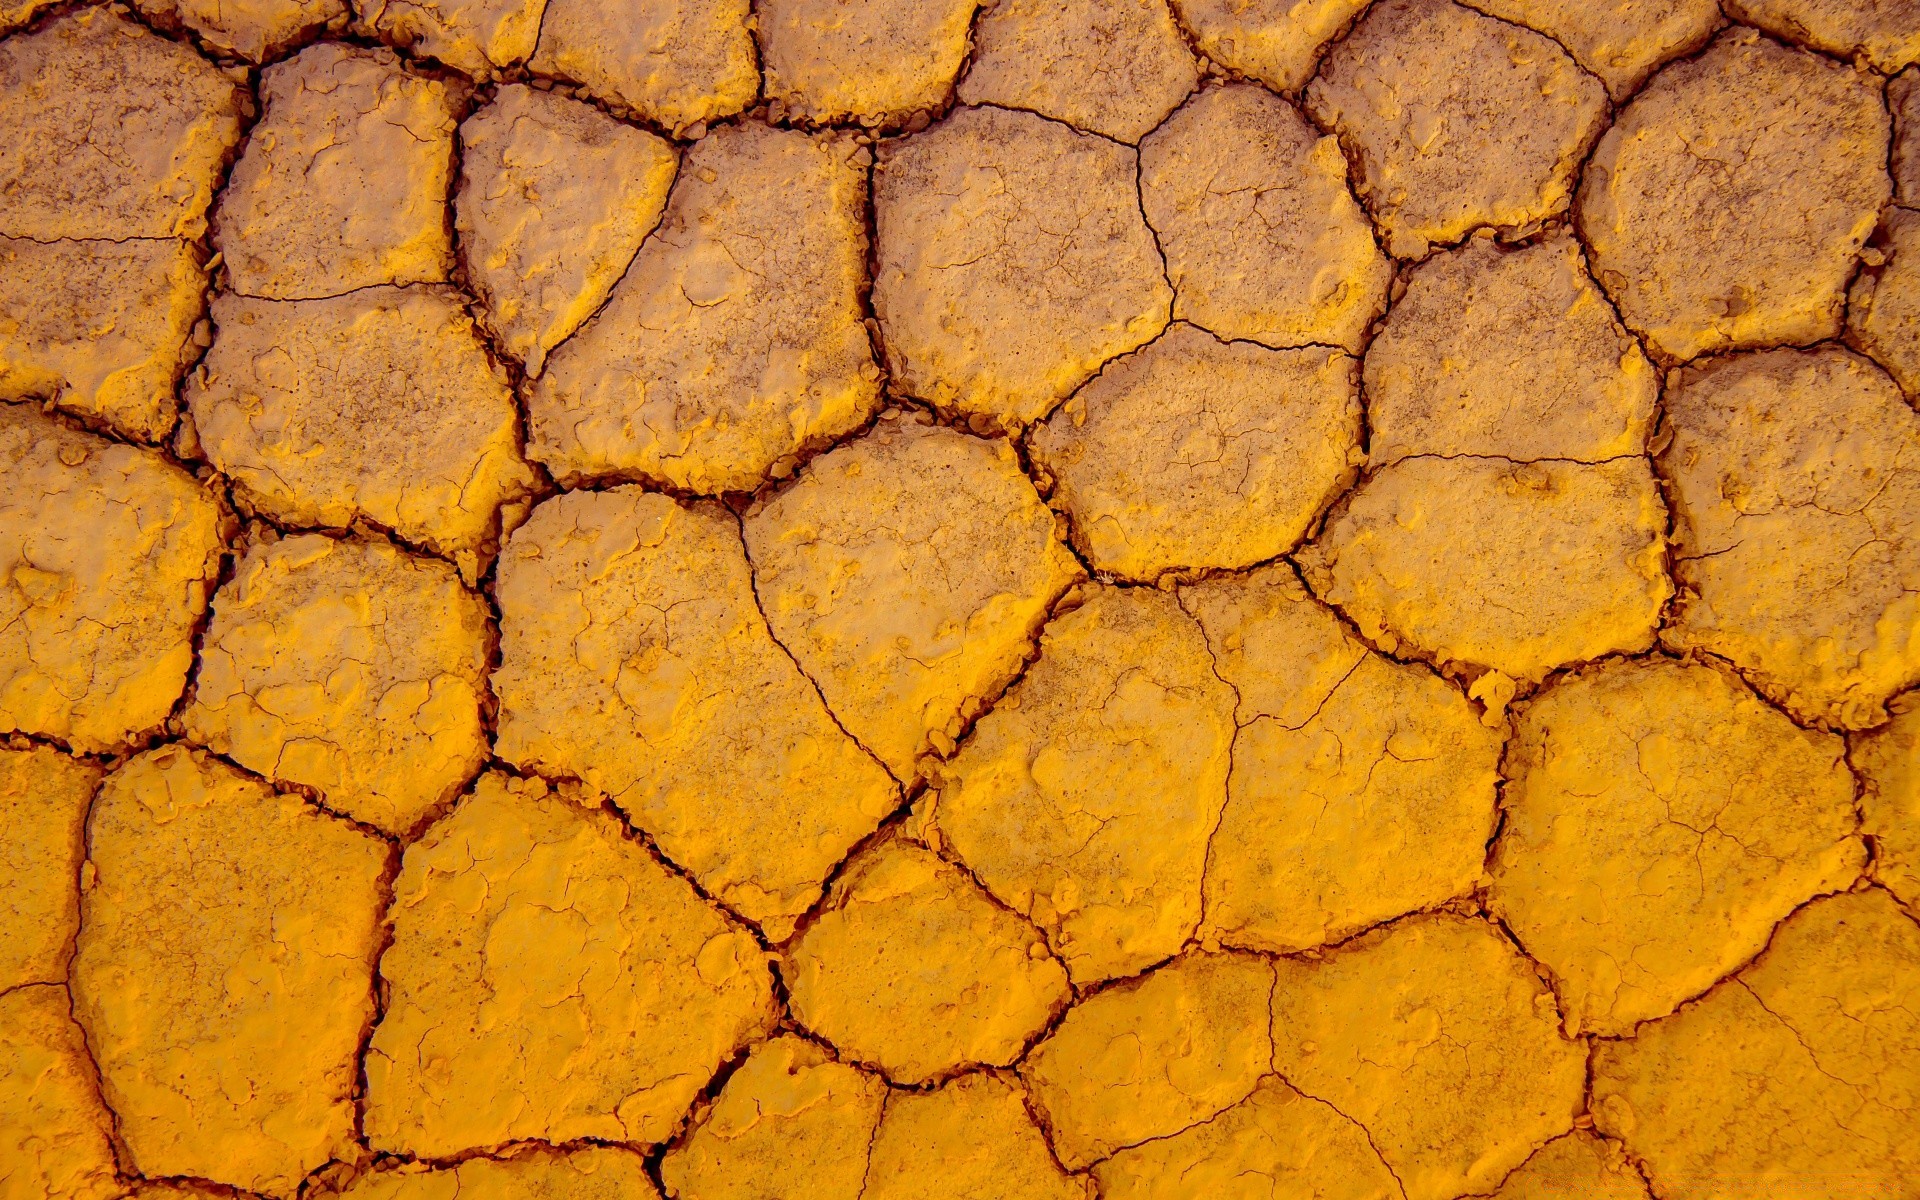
x: 959, y: 599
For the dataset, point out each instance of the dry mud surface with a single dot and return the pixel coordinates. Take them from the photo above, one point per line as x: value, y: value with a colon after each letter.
x: 935, y: 600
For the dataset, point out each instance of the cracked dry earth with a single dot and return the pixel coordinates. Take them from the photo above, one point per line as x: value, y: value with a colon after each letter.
x: 922, y: 600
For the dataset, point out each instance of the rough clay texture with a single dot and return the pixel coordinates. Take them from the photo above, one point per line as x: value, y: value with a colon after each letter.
x: 910, y: 966
x: 1883, y: 309
x: 1796, y: 486
x: 54, y: 1132
x: 114, y: 132
x: 1363, y: 789
x: 531, y: 1173
x: 1888, y: 759
x: 554, y: 200
x: 959, y: 600
x: 1456, y: 120
x: 971, y: 1140
x: 1275, y: 1143
x: 343, y: 183
x: 1660, y: 821
x: 677, y: 703
x: 1885, y: 33
x: 1786, y: 1078
x: 1278, y: 42
x: 1726, y: 205
x: 734, y: 339
x: 101, y: 328
x: 1577, y: 1165
x: 908, y: 574
x: 1151, y: 1057
x: 44, y: 797
x: 378, y: 406
x: 1111, y: 67
x: 255, y: 30
x: 224, y: 970
x: 478, y: 37
x: 349, y: 668
x: 1262, y: 238
x: 1621, y: 41
x: 789, y: 1113
x: 1197, y: 453
x: 1512, y: 353
x: 549, y: 979
x: 874, y: 61
x: 1013, y: 261
x: 1440, y: 1041
x: 107, y: 553
x: 680, y: 63
x: 1517, y: 567
x: 1086, y: 799
x: 1903, y: 98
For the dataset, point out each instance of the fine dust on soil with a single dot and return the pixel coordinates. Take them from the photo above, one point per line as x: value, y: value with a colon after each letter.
x: 955, y: 600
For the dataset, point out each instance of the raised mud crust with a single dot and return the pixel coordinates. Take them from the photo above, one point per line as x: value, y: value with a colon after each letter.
x: 1085, y: 799
x: 549, y: 979
x: 1277, y: 42
x: 788, y: 1113
x: 1153, y: 1056
x: 1297, y: 1145
x: 908, y: 573
x: 1439, y: 1039
x: 678, y: 63
x: 1364, y: 793
x: 108, y: 553
x: 1457, y: 120
x: 876, y: 62
x: 1195, y: 452
x: 1660, y: 821
x: 911, y: 967
x: 15, y: 13
x: 1621, y: 41
x: 1884, y: 33
x: 1903, y: 98
x: 554, y: 200
x: 633, y: 657
x: 1263, y: 240
x: 1520, y: 567
x: 43, y: 808
x: 1112, y: 67
x: 1778, y: 1080
x: 101, y: 328
x: 1796, y: 484
x: 1577, y: 1165
x: 55, y: 1137
x: 224, y: 970
x: 112, y: 131
x: 377, y: 406
x: 1726, y: 206
x: 343, y: 183
x: 480, y: 37
x: 969, y: 1140
x: 255, y: 30
x: 532, y: 1172
x: 1883, y: 309
x: 1507, y: 352
x: 735, y: 338
x: 1013, y: 262
x: 349, y: 668
x: 1888, y: 760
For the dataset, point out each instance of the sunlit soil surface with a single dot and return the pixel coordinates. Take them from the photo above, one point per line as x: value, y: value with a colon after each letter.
x: 915, y: 600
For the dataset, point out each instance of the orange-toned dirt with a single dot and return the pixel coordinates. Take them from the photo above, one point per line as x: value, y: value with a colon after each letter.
x: 955, y: 600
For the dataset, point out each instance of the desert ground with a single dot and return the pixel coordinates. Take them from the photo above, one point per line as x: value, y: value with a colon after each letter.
x: 925, y: 600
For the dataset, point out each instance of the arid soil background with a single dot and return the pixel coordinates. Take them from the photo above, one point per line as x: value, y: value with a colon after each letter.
x: 885, y: 599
